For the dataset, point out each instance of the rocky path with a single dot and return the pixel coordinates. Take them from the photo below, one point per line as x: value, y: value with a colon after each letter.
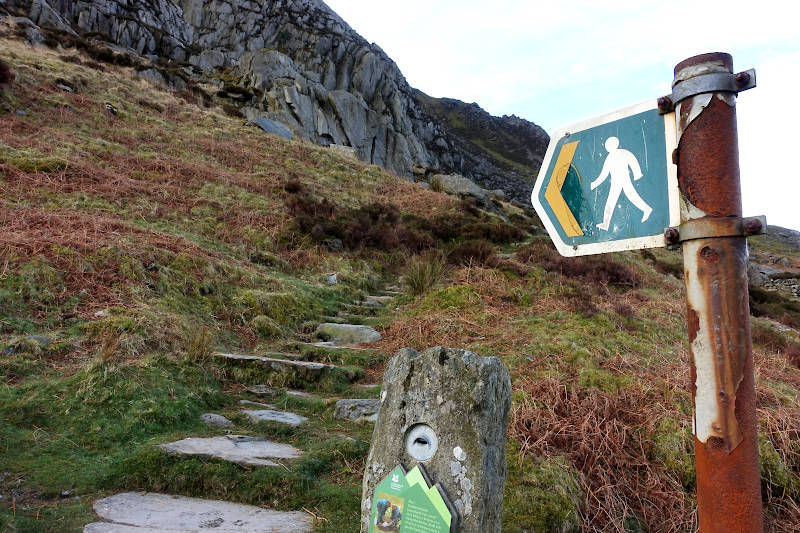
x: 135, y: 512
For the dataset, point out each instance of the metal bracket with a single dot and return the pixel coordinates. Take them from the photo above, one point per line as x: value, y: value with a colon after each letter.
x: 706, y: 228
x: 715, y: 82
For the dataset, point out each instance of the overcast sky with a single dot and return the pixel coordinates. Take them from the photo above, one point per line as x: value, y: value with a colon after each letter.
x: 555, y: 63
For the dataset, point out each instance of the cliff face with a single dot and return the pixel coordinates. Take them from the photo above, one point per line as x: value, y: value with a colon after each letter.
x: 299, y: 63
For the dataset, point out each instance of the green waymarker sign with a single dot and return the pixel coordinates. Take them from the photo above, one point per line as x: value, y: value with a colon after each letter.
x: 407, y: 503
x: 608, y: 184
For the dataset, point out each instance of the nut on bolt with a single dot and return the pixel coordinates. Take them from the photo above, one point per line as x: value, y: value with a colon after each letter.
x: 665, y: 104
x: 753, y: 226
x: 742, y: 78
x: 672, y: 235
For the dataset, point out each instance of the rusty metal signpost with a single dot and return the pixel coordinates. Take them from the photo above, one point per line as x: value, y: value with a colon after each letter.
x: 713, y: 236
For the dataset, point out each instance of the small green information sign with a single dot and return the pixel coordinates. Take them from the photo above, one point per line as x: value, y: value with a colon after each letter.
x: 608, y: 184
x: 407, y: 503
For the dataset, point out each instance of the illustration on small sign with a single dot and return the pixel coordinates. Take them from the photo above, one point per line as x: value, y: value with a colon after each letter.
x: 406, y: 503
x: 616, y: 166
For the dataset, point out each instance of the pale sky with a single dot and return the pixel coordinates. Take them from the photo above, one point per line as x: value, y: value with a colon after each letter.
x: 556, y: 63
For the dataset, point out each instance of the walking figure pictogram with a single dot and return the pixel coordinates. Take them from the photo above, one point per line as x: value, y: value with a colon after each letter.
x: 617, y: 165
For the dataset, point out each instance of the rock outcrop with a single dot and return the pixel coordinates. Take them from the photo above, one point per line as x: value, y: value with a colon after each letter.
x: 298, y: 63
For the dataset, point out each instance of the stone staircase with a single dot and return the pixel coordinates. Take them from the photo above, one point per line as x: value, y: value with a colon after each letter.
x: 136, y: 512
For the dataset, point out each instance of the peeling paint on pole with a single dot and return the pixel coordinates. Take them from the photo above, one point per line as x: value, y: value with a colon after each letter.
x: 718, y: 354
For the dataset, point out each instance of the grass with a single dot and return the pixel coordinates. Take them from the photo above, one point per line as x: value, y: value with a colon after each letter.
x: 423, y: 273
x: 135, y: 245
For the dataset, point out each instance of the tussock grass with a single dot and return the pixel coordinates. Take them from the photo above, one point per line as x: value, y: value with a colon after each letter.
x: 423, y: 273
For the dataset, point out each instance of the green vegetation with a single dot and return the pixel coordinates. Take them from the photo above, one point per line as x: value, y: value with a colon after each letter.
x: 423, y: 274
x: 136, y: 245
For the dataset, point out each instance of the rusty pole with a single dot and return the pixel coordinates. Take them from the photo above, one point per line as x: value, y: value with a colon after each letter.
x: 715, y: 272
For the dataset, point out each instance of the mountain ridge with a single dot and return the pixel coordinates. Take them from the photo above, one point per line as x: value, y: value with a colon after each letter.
x: 318, y: 76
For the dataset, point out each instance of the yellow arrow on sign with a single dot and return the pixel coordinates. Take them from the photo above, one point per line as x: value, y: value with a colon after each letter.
x: 553, y: 192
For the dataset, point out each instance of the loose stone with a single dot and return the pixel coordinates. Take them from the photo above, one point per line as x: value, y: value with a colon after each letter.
x: 213, y: 419
x: 344, y: 334
x: 270, y: 415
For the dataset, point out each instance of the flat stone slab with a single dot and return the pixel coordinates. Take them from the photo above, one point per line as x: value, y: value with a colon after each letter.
x: 283, y: 355
x: 213, y: 419
x: 391, y: 293
x: 344, y: 334
x: 262, y: 390
x: 271, y: 415
x: 301, y: 394
x: 308, y: 369
x: 138, y: 512
x: 379, y: 299
x: 255, y: 451
x: 358, y: 410
x: 368, y: 303
x: 335, y: 319
x: 257, y: 404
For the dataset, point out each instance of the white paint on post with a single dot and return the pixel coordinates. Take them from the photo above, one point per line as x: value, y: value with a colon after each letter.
x: 709, y: 419
x: 706, y: 411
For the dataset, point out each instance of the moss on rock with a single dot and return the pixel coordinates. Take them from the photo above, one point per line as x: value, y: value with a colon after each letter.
x: 541, y: 495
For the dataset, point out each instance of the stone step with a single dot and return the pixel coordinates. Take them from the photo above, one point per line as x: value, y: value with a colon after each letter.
x: 306, y: 369
x: 380, y: 299
x: 301, y: 394
x: 283, y: 355
x: 358, y: 410
x: 262, y: 390
x: 344, y: 317
x: 253, y: 451
x: 346, y: 334
x: 361, y: 310
x: 335, y: 319
x: 391, y: 293
x: 367, y: 303
x: 140, y: 512
x: 269, y: 391
x: 257, y: 404
x: 272, y: 415
x: 331, y: 347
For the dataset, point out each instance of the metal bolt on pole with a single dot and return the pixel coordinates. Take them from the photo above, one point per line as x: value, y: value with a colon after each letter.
x: 715, y: 271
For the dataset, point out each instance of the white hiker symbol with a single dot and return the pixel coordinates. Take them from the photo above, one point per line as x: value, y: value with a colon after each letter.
x: 616, y: 165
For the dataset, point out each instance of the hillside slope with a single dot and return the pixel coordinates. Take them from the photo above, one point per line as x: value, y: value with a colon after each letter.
x: 298, y: 63
x: 141, y: 231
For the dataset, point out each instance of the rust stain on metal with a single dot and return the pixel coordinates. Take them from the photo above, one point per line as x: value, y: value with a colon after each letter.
x: 694, y: 324
x: 711, y: 161
x: 703, y: 64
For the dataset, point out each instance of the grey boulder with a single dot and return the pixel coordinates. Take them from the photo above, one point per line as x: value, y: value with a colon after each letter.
x: 458, y: 185
x: 358, y: 410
